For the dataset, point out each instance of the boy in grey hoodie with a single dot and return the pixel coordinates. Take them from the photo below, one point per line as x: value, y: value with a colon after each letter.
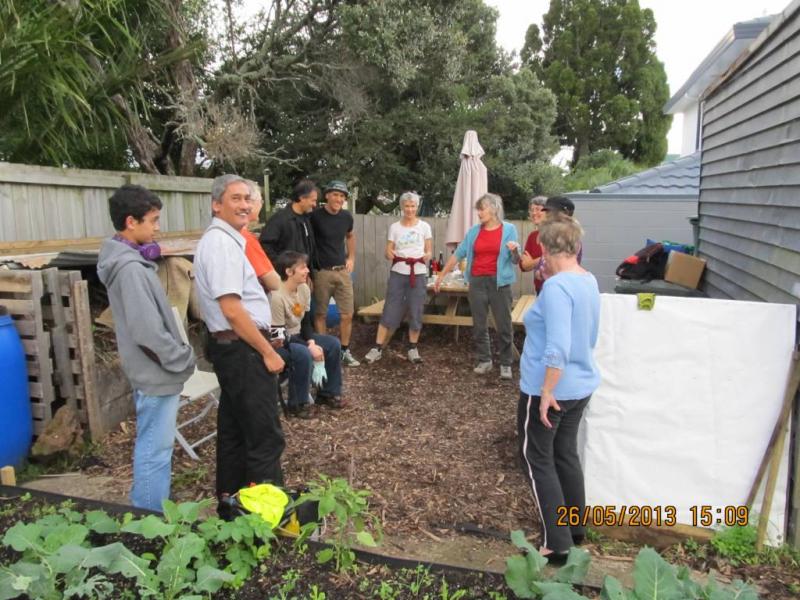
x: 153, y: 355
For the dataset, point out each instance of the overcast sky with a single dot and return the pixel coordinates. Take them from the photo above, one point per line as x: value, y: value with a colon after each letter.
x: 687, y: 30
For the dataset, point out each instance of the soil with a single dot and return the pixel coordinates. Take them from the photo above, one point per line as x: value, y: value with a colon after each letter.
x: 284, y: 573
x: 434, y: 443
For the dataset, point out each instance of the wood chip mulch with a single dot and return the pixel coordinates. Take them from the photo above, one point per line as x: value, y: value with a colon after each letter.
x: 434, y: 443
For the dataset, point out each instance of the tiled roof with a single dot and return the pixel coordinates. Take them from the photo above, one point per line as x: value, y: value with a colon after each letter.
x: 681, y: 176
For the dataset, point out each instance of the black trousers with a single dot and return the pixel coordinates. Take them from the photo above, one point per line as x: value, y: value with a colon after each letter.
x: 551, y: 464
x: 249, y: 436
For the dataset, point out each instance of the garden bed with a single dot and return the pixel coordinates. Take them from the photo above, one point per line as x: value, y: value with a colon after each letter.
x: 43, y: 525
x: 436, y: 446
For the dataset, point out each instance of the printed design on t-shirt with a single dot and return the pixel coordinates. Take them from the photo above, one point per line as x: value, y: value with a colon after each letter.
x: 297, y: 309
x: 409, y: 239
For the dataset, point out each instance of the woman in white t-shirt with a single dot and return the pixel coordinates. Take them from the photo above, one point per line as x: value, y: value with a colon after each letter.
x: 409, y: 247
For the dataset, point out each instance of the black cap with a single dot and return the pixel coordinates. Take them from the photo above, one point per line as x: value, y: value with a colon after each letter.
x: 560, y: 204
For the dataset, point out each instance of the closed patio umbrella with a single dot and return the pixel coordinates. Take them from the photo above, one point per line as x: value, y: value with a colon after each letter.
x: 472, y: 183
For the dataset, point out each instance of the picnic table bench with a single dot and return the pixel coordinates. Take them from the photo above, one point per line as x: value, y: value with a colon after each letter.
x: 454, y: 296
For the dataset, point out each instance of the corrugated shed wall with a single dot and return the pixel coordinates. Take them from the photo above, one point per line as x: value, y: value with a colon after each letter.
x: 750, y: 175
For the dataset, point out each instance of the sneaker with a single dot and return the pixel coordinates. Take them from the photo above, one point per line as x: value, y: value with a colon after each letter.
x: 374, y: 355
x: 348, y: 359
x: 413, y: 356
x: 483, y: 368
x: 505, y: 372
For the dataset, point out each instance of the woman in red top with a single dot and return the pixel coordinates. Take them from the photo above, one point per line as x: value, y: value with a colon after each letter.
x: 491, y: 250
x: 533, y: 250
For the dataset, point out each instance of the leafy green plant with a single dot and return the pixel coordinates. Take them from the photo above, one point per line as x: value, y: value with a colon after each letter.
x: 422, y: 579
x: 57, y: 560
x: 351, y: 518
x: 387, y: 592
x: 655, y: 578
x: 737, y: 544
x: 289, y: 583
x: 316, y: 594
x: 525, y: 573
x: 445, y: 594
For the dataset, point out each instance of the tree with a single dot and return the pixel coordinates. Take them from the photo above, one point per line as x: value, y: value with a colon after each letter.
x: 113, y: 84
x: 74, y: 80
x: 381, y: 93
x: 598, y: 168
x: 598, y: 57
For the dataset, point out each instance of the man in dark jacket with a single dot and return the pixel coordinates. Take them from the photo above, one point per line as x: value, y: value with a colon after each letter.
x: 154, y: 357
x: 290, y: 229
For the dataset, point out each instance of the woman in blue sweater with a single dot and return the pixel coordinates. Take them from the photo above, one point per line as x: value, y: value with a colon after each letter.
x: 491, y: 250
x: 557, y: 377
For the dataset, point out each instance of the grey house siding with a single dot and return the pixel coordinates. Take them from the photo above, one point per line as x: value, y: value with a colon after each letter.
x: 750, y: 175
x: 617, y: 225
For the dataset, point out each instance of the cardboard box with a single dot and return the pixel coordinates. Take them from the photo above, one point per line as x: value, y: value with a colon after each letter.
x: 684, y: 269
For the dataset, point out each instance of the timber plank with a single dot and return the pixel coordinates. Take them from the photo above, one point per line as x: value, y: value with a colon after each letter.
x: 34, y: 347
x: 15, y: 282
x: 20, y: 307
x: 520, y: 308
x: 59, y: 335
x: 25, y: 327
x: 83, y: 317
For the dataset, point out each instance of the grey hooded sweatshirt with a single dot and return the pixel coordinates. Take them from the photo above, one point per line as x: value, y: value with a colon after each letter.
x: 144, y: 322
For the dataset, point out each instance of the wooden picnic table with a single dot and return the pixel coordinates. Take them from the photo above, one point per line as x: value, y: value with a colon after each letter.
x: 455, y: 297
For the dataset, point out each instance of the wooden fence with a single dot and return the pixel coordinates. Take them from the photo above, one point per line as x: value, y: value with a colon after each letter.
x: 47, y: 203
x: 372, y: 268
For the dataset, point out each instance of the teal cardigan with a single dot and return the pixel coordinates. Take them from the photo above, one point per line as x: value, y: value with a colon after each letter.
x: 506, y: 273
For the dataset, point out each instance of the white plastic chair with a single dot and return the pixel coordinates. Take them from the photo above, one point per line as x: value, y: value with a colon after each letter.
x: 199, y: 385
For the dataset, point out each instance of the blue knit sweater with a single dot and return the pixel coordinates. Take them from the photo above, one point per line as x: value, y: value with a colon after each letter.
x: 561, y: 332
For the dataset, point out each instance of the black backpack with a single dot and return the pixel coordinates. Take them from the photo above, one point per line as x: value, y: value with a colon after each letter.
x: 647, y: 264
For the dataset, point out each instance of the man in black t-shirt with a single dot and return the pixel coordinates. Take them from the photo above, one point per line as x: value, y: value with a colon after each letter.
x: 336, y: 255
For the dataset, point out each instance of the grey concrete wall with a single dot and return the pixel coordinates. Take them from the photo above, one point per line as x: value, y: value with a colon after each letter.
x: 618, y: 225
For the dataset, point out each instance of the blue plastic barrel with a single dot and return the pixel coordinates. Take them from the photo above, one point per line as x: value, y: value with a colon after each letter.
x: 15, y: 404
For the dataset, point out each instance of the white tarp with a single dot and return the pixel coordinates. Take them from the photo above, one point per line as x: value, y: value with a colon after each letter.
x: 689, y: 397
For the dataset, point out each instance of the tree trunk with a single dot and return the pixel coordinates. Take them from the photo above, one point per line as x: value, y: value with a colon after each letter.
x: 144, y: 147
x: 580, y: 150
x: 185, y: 84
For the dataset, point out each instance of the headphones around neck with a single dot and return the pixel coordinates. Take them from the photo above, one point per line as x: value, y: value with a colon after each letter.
x: 149, y: 251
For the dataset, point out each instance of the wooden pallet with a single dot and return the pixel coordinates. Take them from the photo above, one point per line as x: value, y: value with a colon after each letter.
x: 50, y: 309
